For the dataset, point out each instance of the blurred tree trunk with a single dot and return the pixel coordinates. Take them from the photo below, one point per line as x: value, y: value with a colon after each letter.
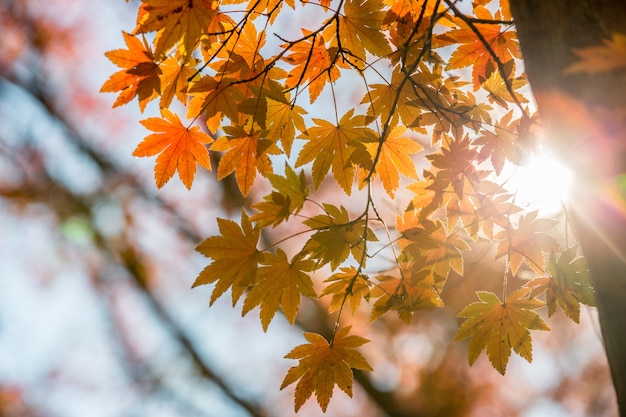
x: 584, y: 119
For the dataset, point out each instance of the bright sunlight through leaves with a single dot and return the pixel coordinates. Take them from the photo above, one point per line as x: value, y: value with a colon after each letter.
x: 543, y: 183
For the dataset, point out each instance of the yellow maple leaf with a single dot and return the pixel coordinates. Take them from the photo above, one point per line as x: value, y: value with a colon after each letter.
x: 140, y: 76
x: 595, y: 59
x: 567, y: 285
x: 328, y: 145
x: 499, y: 93
x: 235, y: 258
x: 337, y: 237
x: 498, y: 327
x: 281, y: 120
x: 322, y: 365
x: 179, y: 147
x: 288, y: 199
x: 350, y: 286
x: 359, y: 29
x: 280, y: 284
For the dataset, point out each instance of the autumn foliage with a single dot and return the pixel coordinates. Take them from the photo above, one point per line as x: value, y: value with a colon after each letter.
x: 434, y: 89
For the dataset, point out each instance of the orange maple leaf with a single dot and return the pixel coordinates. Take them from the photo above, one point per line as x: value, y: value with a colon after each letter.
x: 312, y: 65
x: 214, y: 99
x: 394, y: 158
x: 180, y: 148
x: 140, y: 76
x: 182, y: 22
x: 246, y: 153
x: 174, y: 78
x: 500, y: 326
x: 322, y: 365
x: 472, y: 50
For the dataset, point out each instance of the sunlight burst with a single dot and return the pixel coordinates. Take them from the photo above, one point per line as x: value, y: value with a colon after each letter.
x: 543, y: 183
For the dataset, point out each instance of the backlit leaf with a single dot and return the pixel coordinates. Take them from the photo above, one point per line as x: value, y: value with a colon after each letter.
x: 322, y: 365
x: 472, y: 50
x: 179, y: 148
x: 499, y: 327
x: 140, y: 74
x: 567, y: 285
x: 359, y: 28
x: 348, y: 286
x: 235, y: 258
x: 328, y: 146
x: 182, y: 22
x: 245, y: 154
x: 280, y: 283
x: 527, y: 243
x: 394, y: 158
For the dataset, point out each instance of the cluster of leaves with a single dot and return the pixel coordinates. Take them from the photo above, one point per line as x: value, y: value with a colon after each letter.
x: 427, y: 69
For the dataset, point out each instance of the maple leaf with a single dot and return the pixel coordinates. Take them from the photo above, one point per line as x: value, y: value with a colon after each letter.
x: 446, y: 255
x: 567, y: 285
x: 337, y: 236
x: 350, y: 286
x: 472, y: 51
x: 182, y: 22
x: 245, y: 154
x: 280, y: 283
x: 215, y: 99
x: 179, y: 147
x: 328, y: 145
x: 501, y: 145
x: 382, y: 98
x: 289, y: 197
x: 527, y: 243
x: 312, y: 65
x: 456, y: 165
x: 322, y: 365
x: 498, y: 327
x: 597, y: 59
x: 235, y: 258
x: 282, y: 119
x: 174, y: 79
x: 359, y: 29
x: 140, y: 76
x: 394, y: 158
x: 414, y: 290
x: 499, y: 92
x: 496, y: 211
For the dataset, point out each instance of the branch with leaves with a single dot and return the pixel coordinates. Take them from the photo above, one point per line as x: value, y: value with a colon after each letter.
x: 436, y: 82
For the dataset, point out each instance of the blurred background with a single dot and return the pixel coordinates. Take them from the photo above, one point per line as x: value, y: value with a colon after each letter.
x: 97, y: 315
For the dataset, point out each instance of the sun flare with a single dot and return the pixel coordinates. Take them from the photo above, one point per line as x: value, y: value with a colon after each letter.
x: 543, y: 183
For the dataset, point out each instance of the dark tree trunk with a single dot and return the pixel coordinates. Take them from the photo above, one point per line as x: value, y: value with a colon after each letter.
x: 584, y: 117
